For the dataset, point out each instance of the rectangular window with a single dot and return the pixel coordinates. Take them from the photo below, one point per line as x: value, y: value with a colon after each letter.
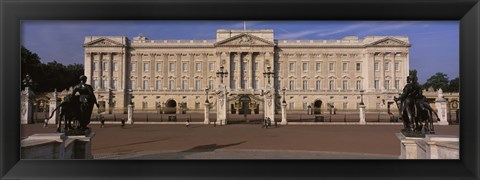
x: 345, y: 85
x: 359, y: 67
x: 134, y: 67
x: 95, y: 85
x: 318, y: 85
x: 244, y: 66
x: 105, y: 84
x: 397, y: 66
x: 145, y: 85
x: 171, y: 84
x: 233, y: 66
x: 375, y: 66
x: 244, y: 84
x: 133, y: 85
x: 292, y: 67
x: 144, y: 105
x: 331, y: 85
x: 331, y: 67
x: 115, y: 66
x: 210, y: 84
x: 397, y: 84
x: 376, y: 84
x: 172, y: 67
x: 291, y: 105
x: 145, y: 67
x: 255, y: 84
x: 185, y: 67
x: 105, y: 66
x: 95, y: 67
x: 358, y: 85
x: 184, y: 84
x: 211, y: 67
x: 114, y: 84
x: 386, y: 66
x: 198, y: 85
x: 159, y: 84
x: 305, y: 106
x: 292, y: 85
x: 255, y: 66
x: 159, y: 67
x: 233, y: 84
x: 318, y: 67
x: 198, y: 67
x: 387, y: 84
x: 305, y: 85
x: 345, y: 67
x: 305, y: 67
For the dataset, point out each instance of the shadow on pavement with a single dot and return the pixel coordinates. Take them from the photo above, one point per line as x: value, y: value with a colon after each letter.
x: 210, y: 147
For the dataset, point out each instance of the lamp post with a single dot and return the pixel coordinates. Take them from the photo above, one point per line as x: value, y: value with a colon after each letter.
x: 361, y: 97
x: 284, y: 108
x: 268, y: 73
x: 206, y: 95
x: 221, y: 73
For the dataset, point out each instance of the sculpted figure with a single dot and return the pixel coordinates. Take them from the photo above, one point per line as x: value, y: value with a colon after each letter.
x: 87, y: 100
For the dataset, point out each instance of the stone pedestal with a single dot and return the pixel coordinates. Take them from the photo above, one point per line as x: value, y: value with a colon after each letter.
x: 53, y: 105
x: 284, y: 114
x: 269, y: 105
x: 442, y: 108
x: 207, y: 114
x: 130, y: 114
x: 430, y: 147
x: 409, y: 148
x: 26, y: 109
x: 57, y: 146
x: 83, y: 146
x: 221, y: 105
x: 362, y: 114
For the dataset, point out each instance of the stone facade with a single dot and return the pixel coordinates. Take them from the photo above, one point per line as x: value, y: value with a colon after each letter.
x: 166, y: 73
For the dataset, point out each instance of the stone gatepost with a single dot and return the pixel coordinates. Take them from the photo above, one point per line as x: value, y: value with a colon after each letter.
x: 26, y: 109
x: 442, y: 108
x: 269, y: 105
x: 130, y: 114
x: 284, y: 114
x: 222, y: 105
x: 53, y: 105
x: 362, y: 114
x: 207, y: 113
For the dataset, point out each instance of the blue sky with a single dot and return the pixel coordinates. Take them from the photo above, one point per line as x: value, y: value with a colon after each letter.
x: 435, y: 43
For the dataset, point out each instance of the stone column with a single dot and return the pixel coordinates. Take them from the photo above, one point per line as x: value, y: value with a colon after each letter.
x: 99, y: 72
x: 123, y: 74
x: 238, y: 69
x: 394, y: 72
x: 369, y: 81
x: 53, y: 104
x: 362, y: 114
x: 26, y: 111
x: 139, y: 71
x: 207, y: 113
x: 88, y: 67
x: 110, y: 70
x: 130, y: 114
x: 284, y: 113
x: 381, y: 83
x: 178, y: 75
x: 165, y: 66
x: 269, y: 103
x: 192, y: 70
x: 222, y: 105
x: 249, y: 68
x: 152, y: 67
x: 442, y: 108
x: 408, y: 147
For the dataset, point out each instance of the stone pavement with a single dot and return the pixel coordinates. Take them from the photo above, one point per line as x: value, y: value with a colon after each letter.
x: 244, y: 141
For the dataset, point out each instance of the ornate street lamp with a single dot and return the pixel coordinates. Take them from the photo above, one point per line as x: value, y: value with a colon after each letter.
x: 221, y: 73
x: 268, y: 73
x: 284, y: 90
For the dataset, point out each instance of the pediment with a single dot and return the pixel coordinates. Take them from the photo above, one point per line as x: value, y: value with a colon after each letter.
x: 389, y: 42
x: 103, y: 42
x: 244, y: 40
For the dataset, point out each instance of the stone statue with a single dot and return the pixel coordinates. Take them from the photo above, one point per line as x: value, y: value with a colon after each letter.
x: 414, y: 109
x: 78, y: 107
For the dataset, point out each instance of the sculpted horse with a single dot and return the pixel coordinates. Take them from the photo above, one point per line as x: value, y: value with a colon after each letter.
x: 69, y: 111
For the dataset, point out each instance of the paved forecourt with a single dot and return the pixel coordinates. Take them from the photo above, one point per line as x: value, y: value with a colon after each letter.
x: 244, y: 141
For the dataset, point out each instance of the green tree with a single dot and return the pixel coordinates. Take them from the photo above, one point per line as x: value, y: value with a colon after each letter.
x: 50, y: 76
x: 454, y: 85
x: 439, y: 80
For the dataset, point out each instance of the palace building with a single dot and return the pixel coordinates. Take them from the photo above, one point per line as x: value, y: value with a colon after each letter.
x: 317, y: 75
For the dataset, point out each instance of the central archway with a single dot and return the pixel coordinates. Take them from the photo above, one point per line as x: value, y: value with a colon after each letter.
x: 170, y: 106
x: 317, y: 105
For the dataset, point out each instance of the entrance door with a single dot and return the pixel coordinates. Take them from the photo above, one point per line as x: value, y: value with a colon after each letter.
x: 316, y: 107
x: 245, y: 101
x: 170, y: 107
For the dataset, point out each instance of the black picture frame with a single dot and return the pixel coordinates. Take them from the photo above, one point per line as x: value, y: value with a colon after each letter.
x: 12, y: 12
